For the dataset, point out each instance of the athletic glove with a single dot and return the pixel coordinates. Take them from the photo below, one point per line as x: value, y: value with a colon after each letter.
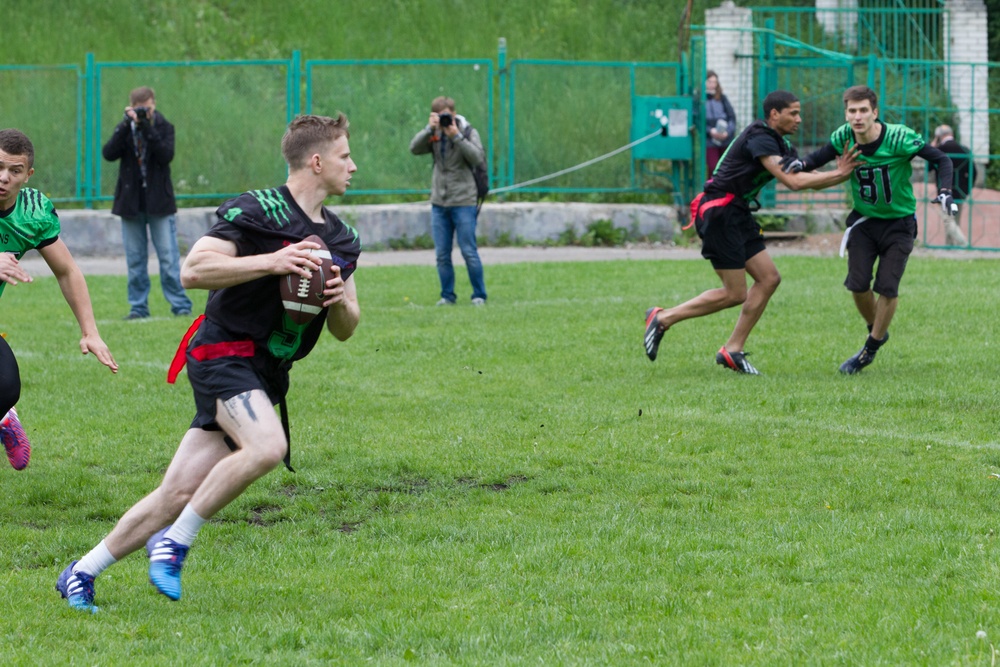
x: 948, y: 204
x: 792, y: 165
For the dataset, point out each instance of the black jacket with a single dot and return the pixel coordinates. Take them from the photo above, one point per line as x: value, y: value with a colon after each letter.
x: 159, y: 195
x: 965, y: 170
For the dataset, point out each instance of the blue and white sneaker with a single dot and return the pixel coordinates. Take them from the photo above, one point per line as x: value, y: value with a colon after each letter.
x: 77, y: 588
x: 165, y: 560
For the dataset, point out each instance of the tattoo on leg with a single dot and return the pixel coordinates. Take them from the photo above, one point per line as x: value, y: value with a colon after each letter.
x: 240, y: 399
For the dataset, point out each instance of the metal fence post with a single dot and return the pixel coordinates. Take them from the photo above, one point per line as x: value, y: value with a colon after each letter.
x: 505, y: 109
x: 90, y: 140
x: 294, y: 101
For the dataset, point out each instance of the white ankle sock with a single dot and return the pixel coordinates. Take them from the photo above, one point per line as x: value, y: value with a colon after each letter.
x: 186, y: 527
x: 98, y: 560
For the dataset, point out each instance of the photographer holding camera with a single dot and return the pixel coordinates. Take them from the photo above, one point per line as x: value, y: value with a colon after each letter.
x: 144, y: 198
x: 456, y: 149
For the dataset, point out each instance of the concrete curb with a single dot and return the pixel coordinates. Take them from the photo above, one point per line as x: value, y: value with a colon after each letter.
x: 97, y: 233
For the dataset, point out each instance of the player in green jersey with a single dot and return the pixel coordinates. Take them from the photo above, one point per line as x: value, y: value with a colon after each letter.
x: 28, y: 220
x: 881, y: 225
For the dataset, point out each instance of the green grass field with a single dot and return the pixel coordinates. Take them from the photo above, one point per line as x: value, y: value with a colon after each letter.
x: 518, y: 484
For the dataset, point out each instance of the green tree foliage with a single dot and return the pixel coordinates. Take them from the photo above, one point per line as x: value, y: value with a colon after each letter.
x: 993, y: 28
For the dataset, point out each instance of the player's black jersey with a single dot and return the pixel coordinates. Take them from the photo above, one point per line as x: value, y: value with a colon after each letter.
x: 740, y: 170
x: 261, y: 222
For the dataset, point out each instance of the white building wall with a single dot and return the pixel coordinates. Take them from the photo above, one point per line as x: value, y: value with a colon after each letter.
x: 965, y: 46
x: 727, y: 36
x: 843, y: 23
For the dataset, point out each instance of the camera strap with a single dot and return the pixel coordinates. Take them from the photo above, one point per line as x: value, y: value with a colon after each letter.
x: 139, y: 143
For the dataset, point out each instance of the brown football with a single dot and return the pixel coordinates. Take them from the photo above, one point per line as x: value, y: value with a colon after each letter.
x: 303, y: 297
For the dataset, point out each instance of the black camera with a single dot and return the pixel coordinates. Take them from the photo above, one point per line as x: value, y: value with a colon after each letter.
x: 142, y: 113
x: 445, y: 119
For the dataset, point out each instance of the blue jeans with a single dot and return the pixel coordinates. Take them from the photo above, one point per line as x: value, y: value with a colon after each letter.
x: 448, y: 222
x: 163, y: 231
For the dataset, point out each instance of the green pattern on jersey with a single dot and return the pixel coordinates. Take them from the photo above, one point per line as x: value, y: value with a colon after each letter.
x: 274, y: 205
x: 285, y: 342
x: 32, y: 222
x: 357, y: 237
x: 880, y: 187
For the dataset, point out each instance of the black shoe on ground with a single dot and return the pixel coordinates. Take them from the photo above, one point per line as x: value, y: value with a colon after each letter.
x: 135, y: 316
x: 857, y: 362
x: 736, y: 361
x: 654, y: 333
x: 861, y: 359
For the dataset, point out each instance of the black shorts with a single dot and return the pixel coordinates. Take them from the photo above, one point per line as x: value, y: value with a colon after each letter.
x: 888, y: 241
x: 730, y: 235
x: 220, y: 379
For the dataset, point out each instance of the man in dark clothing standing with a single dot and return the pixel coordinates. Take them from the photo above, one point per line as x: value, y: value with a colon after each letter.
x: 963, y: 178
x: 144, y: 197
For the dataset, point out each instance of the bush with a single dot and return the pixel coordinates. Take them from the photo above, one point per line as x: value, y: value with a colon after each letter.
x: 604, y: 233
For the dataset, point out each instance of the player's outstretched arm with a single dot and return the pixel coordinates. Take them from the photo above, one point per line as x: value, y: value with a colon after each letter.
x: 342, y: 298
x: 74, y: 289
x: 213, y: 264
x: 941, y: 162
x: 802, y: 180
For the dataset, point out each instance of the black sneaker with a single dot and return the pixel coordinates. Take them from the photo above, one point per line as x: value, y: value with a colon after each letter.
x: 736, y: 361
x: 861, y: 359
x: 857, y: 362
x: 654, y: 333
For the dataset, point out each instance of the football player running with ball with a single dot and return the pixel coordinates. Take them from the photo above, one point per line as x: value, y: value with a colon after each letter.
x: 240, y: 353
x: 881, y: 225
x: 732, y: 239
x: 28, y: 220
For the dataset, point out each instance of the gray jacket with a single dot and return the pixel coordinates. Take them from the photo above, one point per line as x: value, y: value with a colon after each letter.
x: 452, y: 183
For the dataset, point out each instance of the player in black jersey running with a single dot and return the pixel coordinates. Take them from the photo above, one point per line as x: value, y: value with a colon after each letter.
x: 239, y: 358
x: 732, y: 239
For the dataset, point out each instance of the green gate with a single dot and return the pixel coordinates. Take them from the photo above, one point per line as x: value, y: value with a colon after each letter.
x: 894, y: 49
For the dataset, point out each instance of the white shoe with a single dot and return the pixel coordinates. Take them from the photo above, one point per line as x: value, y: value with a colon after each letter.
x: 445, y: 302
x: 478, y: 302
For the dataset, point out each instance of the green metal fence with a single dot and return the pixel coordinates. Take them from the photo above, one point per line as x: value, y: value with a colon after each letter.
x: 388, y: 102
x: 228, y: 117
x: 564, y: 113
x: 47, y: 104
x: 896, y: 49
x: 910, y: 29
x: 550, y: 115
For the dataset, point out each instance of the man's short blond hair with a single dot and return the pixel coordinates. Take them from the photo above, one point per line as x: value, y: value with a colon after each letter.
x: 307, y: 135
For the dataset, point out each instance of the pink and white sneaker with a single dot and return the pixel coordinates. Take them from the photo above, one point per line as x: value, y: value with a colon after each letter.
x: 15, y: 441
